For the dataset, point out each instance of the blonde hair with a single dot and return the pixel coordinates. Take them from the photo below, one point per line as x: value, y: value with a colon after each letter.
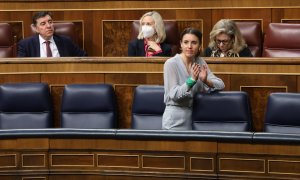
x: 230, y: 28
x: 159, y: 26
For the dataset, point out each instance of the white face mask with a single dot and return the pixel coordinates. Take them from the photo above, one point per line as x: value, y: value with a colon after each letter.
x: 148, y: 31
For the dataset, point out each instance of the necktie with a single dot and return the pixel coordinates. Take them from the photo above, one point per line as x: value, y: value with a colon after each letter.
x: 48, y: 50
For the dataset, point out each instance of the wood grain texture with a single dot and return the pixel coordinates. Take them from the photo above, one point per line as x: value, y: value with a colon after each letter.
x: 105, y: 28
x: 75, y: 158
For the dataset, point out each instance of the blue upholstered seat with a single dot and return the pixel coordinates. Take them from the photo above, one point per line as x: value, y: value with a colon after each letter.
x: 88, y: 106
x: 148, y: 107
x: 283, y: 113
x: 25, y: 106
x: 222, y: 111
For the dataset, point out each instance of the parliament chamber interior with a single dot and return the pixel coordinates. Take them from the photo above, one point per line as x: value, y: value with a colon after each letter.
x: 99, y: 117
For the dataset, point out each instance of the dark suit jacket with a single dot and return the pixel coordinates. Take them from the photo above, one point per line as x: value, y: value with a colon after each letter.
x: 30, y: 47
x: 136, y: 48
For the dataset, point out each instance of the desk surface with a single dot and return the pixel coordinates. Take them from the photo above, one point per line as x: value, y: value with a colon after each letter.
x: 140, y: 64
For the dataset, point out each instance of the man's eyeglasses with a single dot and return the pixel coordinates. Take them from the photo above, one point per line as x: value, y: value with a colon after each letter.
x: 224, y: 42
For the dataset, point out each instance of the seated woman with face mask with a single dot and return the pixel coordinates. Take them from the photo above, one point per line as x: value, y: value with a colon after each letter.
x: 151, y: 37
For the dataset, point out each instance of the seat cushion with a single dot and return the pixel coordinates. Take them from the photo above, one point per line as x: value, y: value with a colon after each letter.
x: 282, y: 40
x: 148, y: 107
x: 283, y: 112
x: 88, y: 106
x: 222, y: 111
x: 25, y: 105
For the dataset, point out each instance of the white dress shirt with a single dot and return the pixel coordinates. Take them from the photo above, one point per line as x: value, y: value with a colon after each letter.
x: 53, y: 47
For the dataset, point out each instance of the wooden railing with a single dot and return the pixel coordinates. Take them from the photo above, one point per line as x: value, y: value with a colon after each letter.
x: 67, y: 154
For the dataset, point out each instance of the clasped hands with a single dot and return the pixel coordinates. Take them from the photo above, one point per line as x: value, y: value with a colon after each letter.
x: 199, y: 72
x: 153, y: 46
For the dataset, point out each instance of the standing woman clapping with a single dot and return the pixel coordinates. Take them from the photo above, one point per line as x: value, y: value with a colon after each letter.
x: 185, y: 74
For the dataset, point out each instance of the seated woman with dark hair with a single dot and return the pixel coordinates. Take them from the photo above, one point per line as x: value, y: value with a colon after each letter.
x: 151, y: 37
x: 226, y: 41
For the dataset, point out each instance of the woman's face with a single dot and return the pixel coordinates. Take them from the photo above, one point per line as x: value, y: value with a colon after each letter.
x: 223, y: 42
x: 148, y: 20
x: 147, y: 28
x: 190, y: 45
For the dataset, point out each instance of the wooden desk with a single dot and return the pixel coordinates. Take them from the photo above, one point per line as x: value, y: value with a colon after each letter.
x: 68, y: 154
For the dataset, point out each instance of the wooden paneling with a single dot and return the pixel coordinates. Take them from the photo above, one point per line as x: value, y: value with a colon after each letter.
x: 124, y: 95
x: 118, y: 160
x: 105, y: 25
x: 116, y: 35
x: 8, y: 160
x: 34, y: 160
x: 241, y: 165
x: 264, y: 16
x: 70, y: 158
x: 258, y: 159
x: 291, y: 21
x: 163, y: 162
x: 138, y: 4
x: 34, y: 178
x: 284, y: 166
x: 202, y: 164
x: 278, y: 15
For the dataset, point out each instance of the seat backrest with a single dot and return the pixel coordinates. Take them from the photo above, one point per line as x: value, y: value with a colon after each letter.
x: 25, y: 106
x: 172, y: 34
x: 222, y: 111
x: 66, y: 29
x: 6, y: 41
x: 283, y: 113
x: 148, y: 107
x: 252, y: 33
x: 88, y: 106
x: 282, y: 40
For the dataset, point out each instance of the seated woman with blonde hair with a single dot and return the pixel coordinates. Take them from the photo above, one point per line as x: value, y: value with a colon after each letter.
x: 226, y: 41
x: 151, y: 37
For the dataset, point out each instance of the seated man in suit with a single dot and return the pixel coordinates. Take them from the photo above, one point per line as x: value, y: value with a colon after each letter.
x: 45, y: 43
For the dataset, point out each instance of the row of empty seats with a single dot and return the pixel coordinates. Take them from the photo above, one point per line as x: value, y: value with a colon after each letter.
x: 93, y: 106
x: 281, y: 39
x: 228, y: 111
x: 29, y: 106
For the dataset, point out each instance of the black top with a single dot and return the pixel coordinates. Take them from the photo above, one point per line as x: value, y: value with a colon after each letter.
x: 246, y: 52
x: 136, y: 48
